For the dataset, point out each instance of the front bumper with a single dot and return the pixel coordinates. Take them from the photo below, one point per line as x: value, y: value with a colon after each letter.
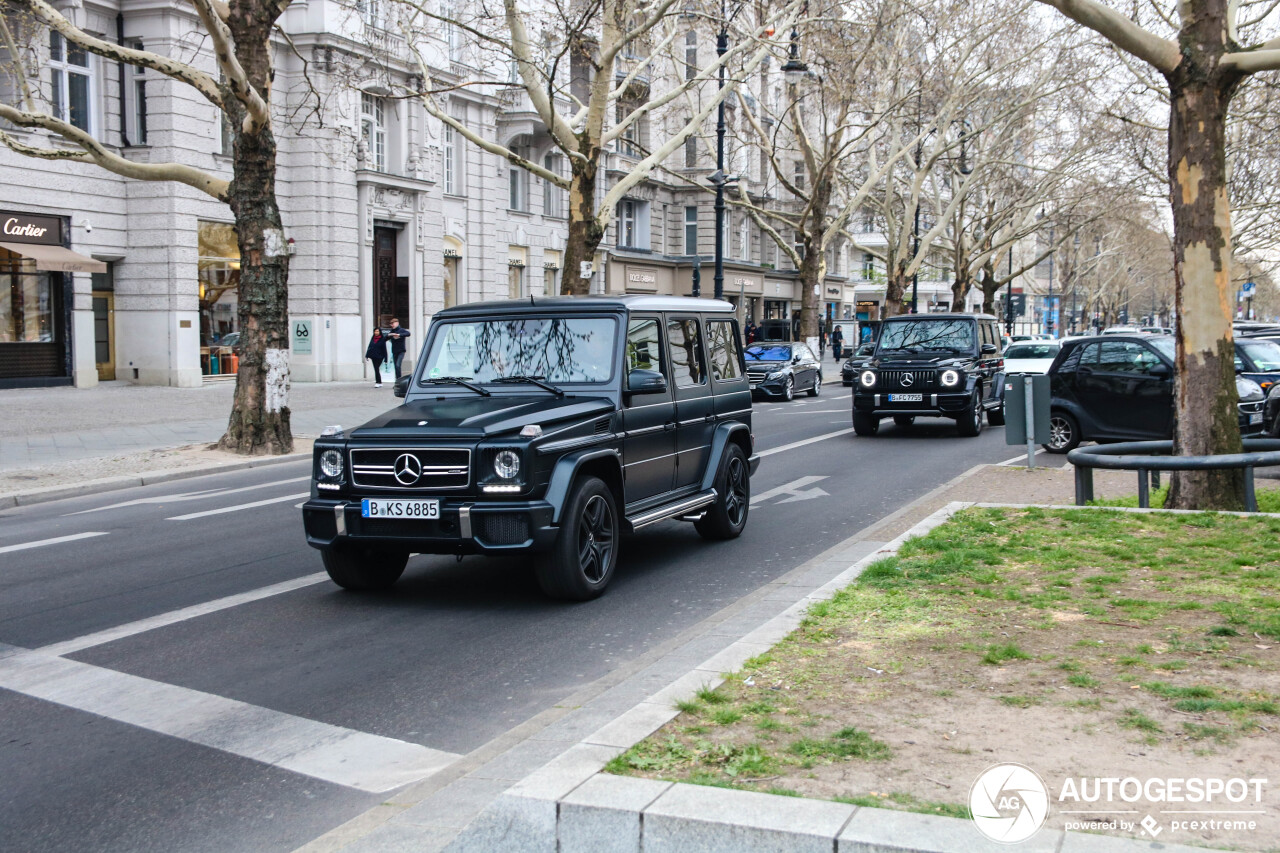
x: 1252, y: 417
x: 464, y: 527
x: 768, y: 387
x: 948, y: 404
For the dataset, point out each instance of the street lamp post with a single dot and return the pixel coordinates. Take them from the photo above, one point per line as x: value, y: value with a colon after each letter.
x: 1008, y: 308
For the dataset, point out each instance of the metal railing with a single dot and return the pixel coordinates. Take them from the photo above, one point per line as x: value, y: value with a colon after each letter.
x: 1149, y: 458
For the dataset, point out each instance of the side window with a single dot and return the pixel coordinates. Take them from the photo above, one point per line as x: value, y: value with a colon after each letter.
x: 1126, y: 357
x: 1086, y: 355
x: 726, y: 354
x: 804, y: 352
x: 687, y: 368
x: 644, y: 346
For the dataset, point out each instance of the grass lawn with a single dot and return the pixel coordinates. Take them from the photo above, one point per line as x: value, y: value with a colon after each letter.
x: 1268, y: 499
x: 1078, y: 642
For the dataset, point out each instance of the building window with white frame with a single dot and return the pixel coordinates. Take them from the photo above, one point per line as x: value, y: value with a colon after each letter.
x: 868, y: 266
x: 744, y: 237
x: 373, y: 130
x: 633, y: 224
x: 138, y: 112
x: 797, y: 243
x: 798, y: 175
x: 691, y: 230
x: 552, y: 195
x: 71, y: 82
x: 452, y: 31
x: 370, y: 12
x: 518, y: 182
x: 451, y: 173
x: 690, y: 54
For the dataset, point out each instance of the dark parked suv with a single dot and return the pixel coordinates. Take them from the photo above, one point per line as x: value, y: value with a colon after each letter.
x: 935, y: 365
x: 550, y: 426
x: 1120, y: 388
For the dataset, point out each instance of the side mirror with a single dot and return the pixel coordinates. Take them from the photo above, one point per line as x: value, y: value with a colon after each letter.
x: 1162, y: 370
x: 646, y: 382
x: 990, y: 349
x: 402, y: 386
x: 867, y: 349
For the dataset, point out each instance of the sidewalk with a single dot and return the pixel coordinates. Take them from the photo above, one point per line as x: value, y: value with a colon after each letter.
x: 47, y: 435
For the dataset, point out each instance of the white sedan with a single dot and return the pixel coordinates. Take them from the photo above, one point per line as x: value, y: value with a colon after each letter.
x: 1030, y: 356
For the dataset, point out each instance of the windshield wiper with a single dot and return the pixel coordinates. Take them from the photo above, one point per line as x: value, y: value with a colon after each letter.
x: 458, y: 380
x: 532, y: 380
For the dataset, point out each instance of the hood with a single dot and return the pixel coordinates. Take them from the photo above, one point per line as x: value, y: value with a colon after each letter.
x: 478, y: 417
x: 919, y: 360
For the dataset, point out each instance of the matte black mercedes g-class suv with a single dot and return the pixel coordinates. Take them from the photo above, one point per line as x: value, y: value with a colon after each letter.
x: 550, y: 426
x: 932, y: 365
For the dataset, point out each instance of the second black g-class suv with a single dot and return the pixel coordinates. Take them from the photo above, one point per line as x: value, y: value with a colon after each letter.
x: 550, y: 426
x: 932, y: 365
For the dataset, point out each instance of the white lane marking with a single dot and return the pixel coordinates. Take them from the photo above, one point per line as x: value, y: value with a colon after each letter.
x: 43, y: 542
x: 190, y: 496
x: 334, y: 754
x: 1021, y: 457
x: 237, y: 508
x: 793, y: 488
x: 793, y: 445
x: 812, y: 411
x: 129, y: 629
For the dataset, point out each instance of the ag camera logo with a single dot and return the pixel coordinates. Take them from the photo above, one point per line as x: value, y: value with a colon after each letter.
x: 1009, y: 803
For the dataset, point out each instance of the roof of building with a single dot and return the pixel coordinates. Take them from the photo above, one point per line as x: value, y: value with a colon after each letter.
x: 629, y: 302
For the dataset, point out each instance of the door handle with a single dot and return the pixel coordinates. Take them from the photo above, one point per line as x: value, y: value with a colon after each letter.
x: 709, y: 418
x: 669, y: 426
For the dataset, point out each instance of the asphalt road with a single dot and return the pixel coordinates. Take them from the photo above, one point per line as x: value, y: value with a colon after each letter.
x: 189, y: 636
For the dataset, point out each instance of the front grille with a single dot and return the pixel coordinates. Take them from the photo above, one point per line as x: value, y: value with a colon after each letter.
x: 436, y: 467
x: 321, y: 523
x: 920, y: 379
x: 502, y: 528
x: 1251, y: 408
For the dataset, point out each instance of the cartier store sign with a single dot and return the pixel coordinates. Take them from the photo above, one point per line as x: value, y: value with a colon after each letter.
x: 30, y: 228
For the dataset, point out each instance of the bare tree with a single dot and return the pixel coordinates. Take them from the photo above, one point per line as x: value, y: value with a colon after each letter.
x: 1203, y: 51
x: 239, y: 34
x: 586, y: 71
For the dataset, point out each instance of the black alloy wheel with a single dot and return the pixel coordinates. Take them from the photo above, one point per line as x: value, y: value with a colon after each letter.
x: 969, y: 424
x: 728, y: 515
x: 580, y: 564
x: 995, y: 416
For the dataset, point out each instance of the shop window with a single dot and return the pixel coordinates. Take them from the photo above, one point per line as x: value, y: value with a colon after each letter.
x: 71, y: 82
x: 27, y: 313
x: 515, y: 279
x: 218, y: 268
x: 373, y: 130
x: 450, y: 283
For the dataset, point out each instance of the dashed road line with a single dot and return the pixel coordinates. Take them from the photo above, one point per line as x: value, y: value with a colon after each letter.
x: 793, y: 445
x: 8, y: 549
x: 189, y: 496
x: 237, y: 508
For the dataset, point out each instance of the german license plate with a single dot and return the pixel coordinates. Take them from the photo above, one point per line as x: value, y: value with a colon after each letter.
x: 906, y: 398
x: 1254, y: 420
x: 371, y: 508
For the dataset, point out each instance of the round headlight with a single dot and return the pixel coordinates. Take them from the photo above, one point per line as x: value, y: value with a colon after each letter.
x: 331, y: 464
x: 950, y: 378
x: 868, y: 378
x: 507, y: 464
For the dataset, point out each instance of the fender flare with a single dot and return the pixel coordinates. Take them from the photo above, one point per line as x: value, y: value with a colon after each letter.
x: 719, y: 441
x: 566, y: 471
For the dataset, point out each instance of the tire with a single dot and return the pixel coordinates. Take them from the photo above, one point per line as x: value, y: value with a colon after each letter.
x: 789, y: 389
x: 995, y: 416
x: 904, y: 421
x: 969, y: 423
x: 817, y: 385
x: 581, y: 562
x: 1064, y: 432
x: 364, y: 569
x: 728, y: 515
x: 865, y: 424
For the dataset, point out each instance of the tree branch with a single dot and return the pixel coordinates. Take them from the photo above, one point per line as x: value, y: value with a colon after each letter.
x: 1120, y: 31
x: 257, y: 113
x: 92, y: 151
x: 1253, y: 61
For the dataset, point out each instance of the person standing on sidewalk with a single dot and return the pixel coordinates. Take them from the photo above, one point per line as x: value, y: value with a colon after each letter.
x: 397, y: 335
x: 837, y: 341
x: 376, y: 352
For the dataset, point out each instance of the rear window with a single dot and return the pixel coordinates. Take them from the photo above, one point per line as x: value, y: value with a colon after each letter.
x: 1031, y: 351
x: 1265, y: 355
x: 766, y: 353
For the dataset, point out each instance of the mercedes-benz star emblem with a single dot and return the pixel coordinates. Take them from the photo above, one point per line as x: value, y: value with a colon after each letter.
x: 407, y: 469
x: 907, y: 379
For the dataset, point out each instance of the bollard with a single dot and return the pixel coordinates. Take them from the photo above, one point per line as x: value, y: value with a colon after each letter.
x: 1030, y: 414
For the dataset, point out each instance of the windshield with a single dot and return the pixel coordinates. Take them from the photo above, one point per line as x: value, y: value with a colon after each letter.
x: 1031, y: 351
x: 559, y: 349
x: 1265, y: 355
x: 928, y: 335
x: 759, y: 353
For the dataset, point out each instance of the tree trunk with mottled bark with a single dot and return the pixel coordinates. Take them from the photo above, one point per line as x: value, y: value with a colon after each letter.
x: 896, y: 286
x: 585, y: 232
x: 259, y: 422
x: 1205, y: 397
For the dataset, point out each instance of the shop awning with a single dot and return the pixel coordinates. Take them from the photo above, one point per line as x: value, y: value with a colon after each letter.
x: 55, y: 258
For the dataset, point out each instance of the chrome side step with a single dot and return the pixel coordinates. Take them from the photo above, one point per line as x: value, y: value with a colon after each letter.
x: 684, y: 507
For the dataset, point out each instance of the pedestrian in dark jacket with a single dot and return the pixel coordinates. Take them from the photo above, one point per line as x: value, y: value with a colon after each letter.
x: 397, y: 335
x: 377, y: 353
x: 837, y: 342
